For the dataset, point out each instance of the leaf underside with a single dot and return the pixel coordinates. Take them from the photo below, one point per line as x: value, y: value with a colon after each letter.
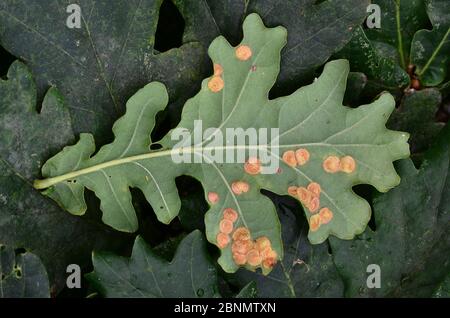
x: 312, y: 118
x: 409, y: 240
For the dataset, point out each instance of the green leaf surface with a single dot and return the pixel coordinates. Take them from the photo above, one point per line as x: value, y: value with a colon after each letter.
x: 207, y: 19
x: 306, y: 270
x: 430, y: 50
x: 365, y: 57
x: 22, y: 275
x: 411, y: 243
x: 189, y: 275
x: 312, y: 118
x: 248, y: 291
x: 417, y: 116
x: 316, y: 31
x: 27, y: 218
x: 96, y: 67
x: 400, y: 19
x: 443, y: 291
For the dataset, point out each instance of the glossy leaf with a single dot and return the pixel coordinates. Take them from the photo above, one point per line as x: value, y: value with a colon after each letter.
x: 248, y: 291
x: 400, y: 19
x: 365, y: 57
x: 430, y: 49
x: 312, y: 118
x: 189, y: 275
x: 443, y: 290
x: 383, y: 53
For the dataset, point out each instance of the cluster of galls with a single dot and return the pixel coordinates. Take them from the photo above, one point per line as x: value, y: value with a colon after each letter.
x: 244, y: 249
x: 310, y: 198
x: 254, y: 253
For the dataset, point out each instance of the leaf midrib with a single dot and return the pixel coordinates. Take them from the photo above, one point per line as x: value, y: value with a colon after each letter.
x: 399, y: 34
x: 46, y: 183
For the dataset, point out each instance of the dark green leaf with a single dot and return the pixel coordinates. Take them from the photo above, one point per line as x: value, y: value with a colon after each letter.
x: 316, y: 31
x: 22, y: 275
x: 355, y: 86
x: 306, y: 270
x: 311, y: 120
x: 98, y: 66
x: 365, y: 57
x: 411, y: 243
x: 27, y: 218
x: 167, y: 248
x: 248, y: 291
x: 430, y: 50
x: 400, y: 19
x: 443, y: 291
x: 189, y: 275
x: 209, y: 18
x: 383, y: 54
x: 416, y: 115
x: 445, y: 89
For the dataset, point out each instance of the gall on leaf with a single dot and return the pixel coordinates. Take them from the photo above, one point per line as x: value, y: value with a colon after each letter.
x: 312, y: 118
